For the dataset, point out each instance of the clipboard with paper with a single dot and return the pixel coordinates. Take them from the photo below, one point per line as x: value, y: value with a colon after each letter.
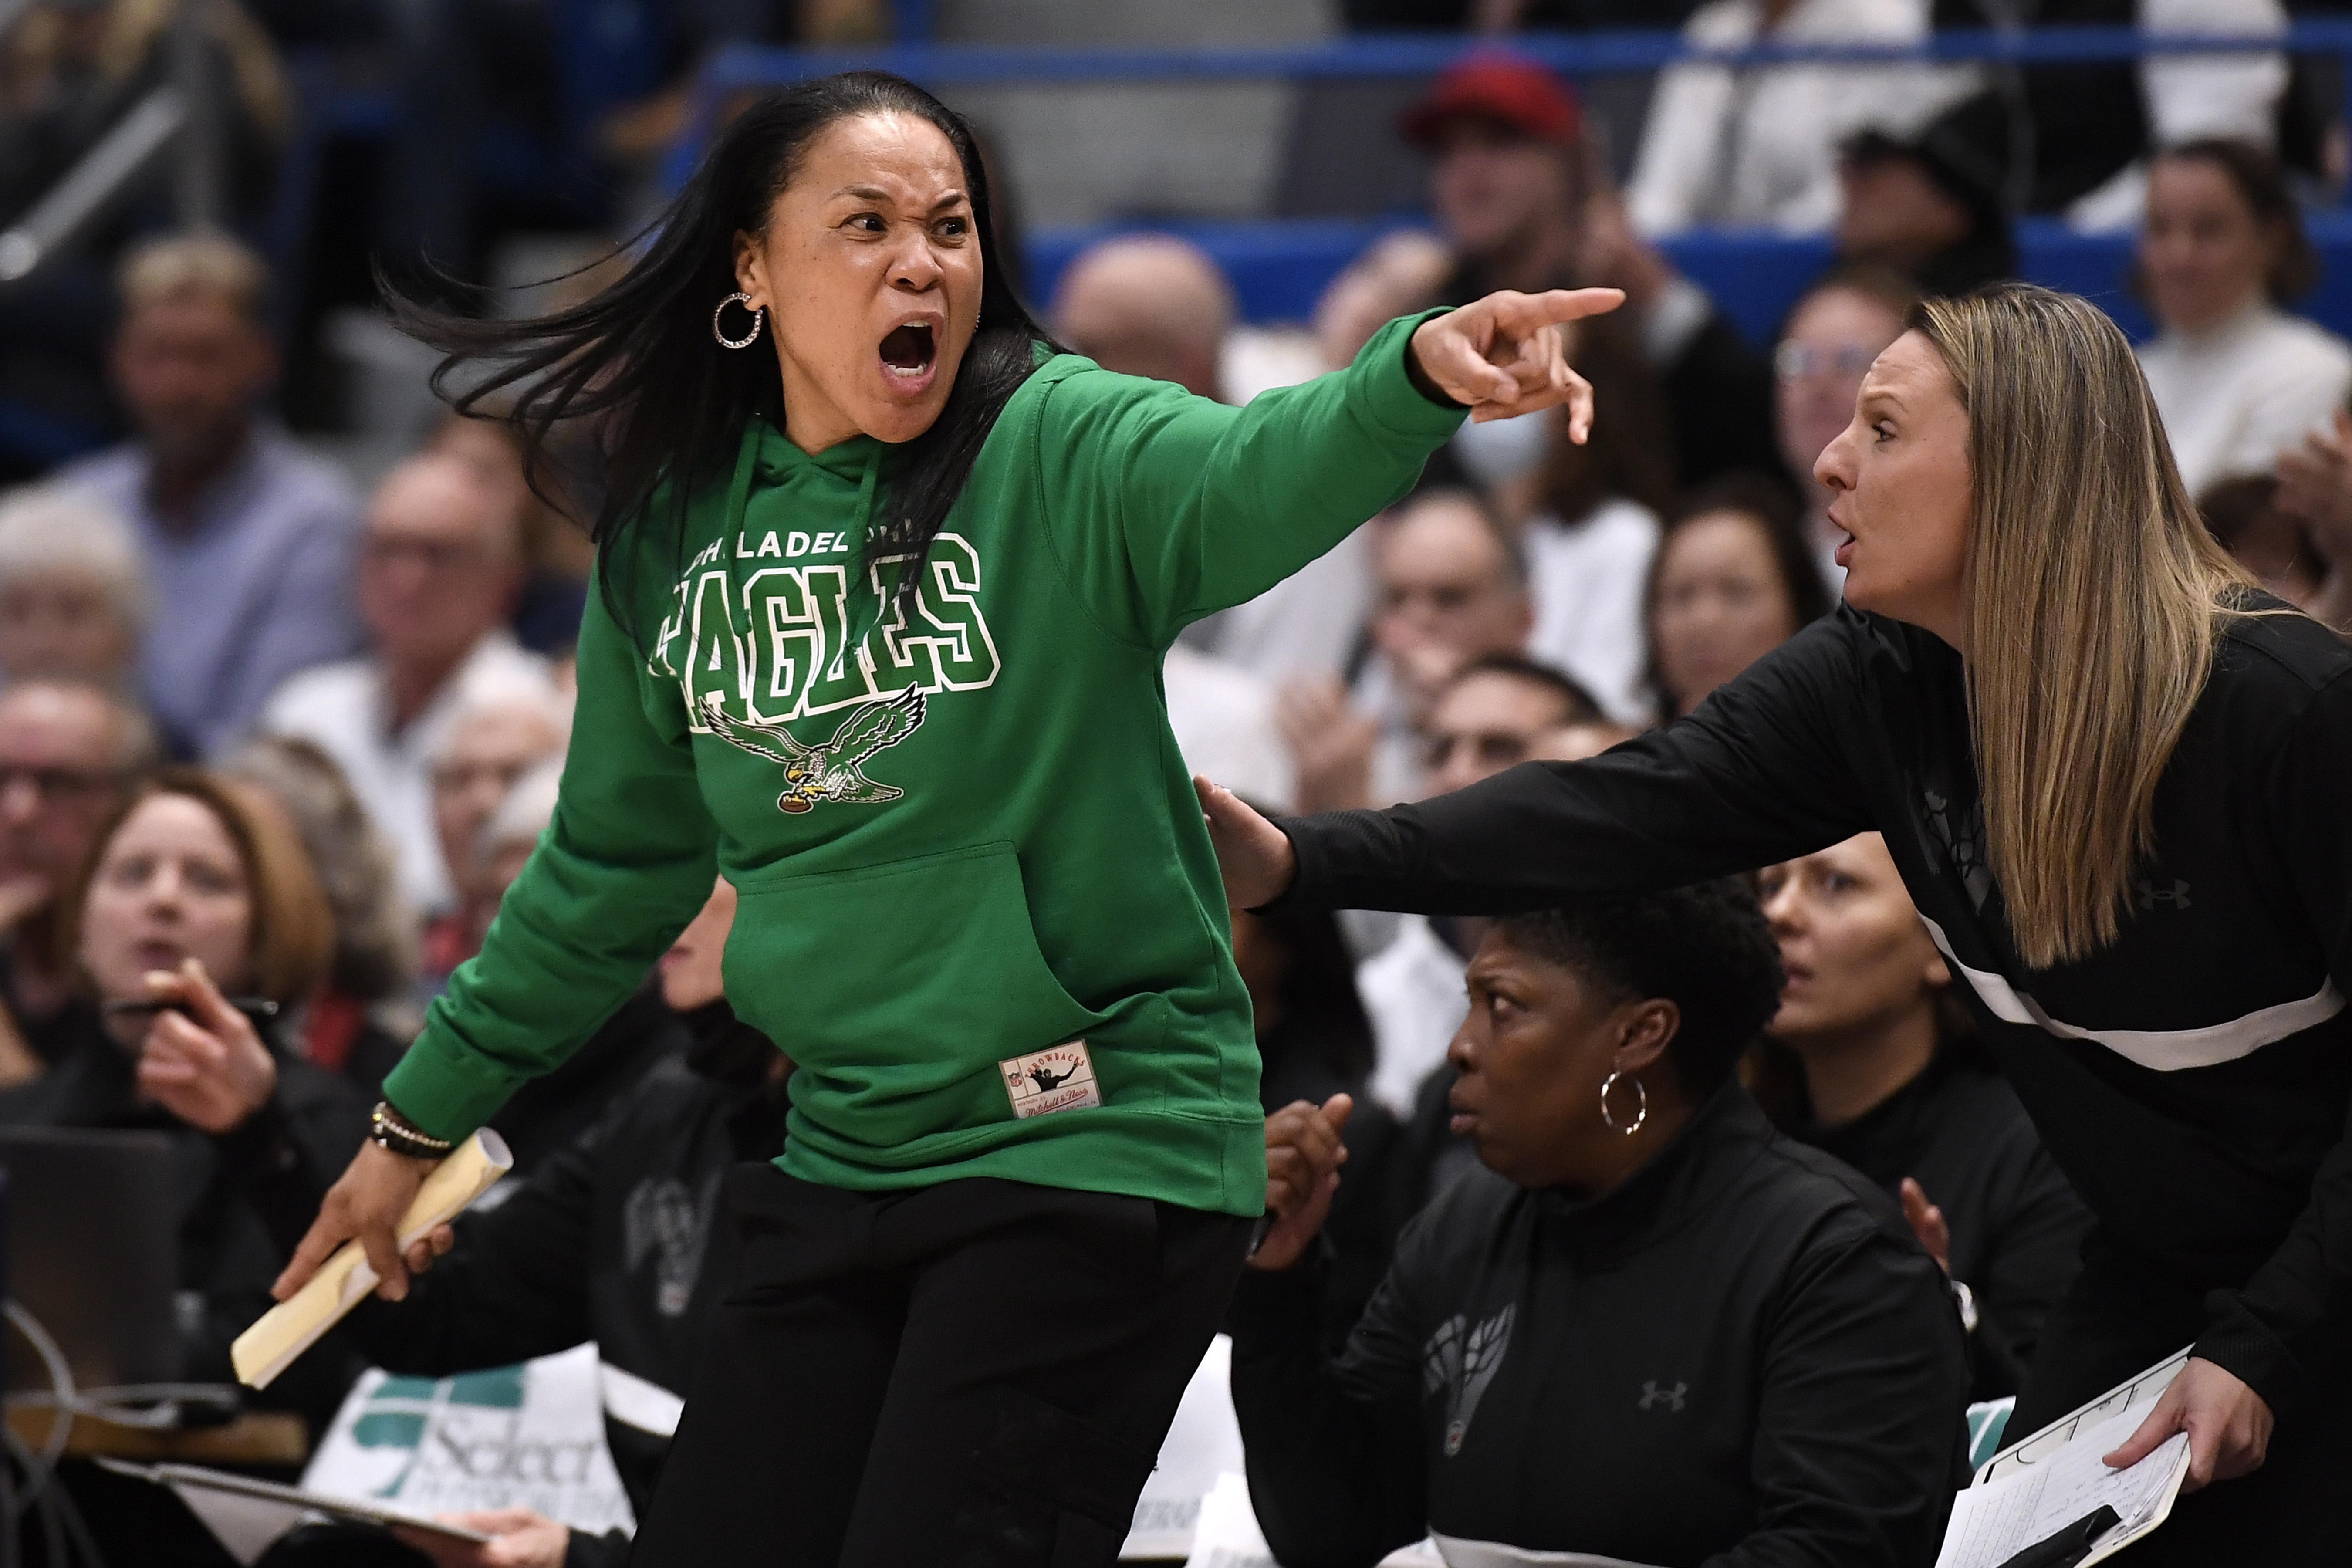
x: 2041, y: 1485
x: 248, y: 1515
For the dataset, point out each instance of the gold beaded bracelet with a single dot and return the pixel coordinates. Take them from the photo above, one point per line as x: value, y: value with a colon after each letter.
x: 390, y: 1130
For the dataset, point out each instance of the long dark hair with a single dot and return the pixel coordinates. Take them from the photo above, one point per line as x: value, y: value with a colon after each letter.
x: 1631, y: 452
x: 665, y: 403
x: 1768, y: 506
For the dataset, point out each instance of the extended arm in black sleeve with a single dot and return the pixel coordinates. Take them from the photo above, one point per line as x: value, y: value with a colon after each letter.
x: 1763, y: 771
x: 2270, y: 1332
x: 1333, y: 1452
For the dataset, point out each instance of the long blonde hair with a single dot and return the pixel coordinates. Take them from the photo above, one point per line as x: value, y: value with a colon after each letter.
x: 2094, y: 600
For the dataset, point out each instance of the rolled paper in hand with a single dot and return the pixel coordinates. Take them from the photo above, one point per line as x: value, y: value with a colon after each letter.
x: 295, y: 1324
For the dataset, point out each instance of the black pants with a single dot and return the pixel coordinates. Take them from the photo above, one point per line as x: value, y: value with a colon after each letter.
x: 974, y: 1373
x: 2121, y: 1318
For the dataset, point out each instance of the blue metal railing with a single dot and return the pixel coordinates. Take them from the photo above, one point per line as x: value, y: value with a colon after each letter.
x: 1278, y: 265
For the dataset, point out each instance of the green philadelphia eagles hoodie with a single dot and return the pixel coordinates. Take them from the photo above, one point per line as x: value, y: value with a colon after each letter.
x: 979, y: 907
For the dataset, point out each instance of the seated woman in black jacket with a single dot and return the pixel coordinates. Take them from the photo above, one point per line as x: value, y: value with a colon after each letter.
x: 1895, y: 1083
x: 616, y: 1237
x: 195, y: 894
x: 1651, y: 1329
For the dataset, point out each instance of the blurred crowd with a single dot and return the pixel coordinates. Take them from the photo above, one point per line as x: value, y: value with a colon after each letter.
x: 272, y: 749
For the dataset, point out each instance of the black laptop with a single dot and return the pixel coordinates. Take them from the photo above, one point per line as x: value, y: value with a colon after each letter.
x: 91, y: 1230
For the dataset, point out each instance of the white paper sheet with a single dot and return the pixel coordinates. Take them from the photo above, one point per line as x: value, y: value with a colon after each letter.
x: 1229, y: 1536
x: 1993, y: 1522
x: 1203, y: 1443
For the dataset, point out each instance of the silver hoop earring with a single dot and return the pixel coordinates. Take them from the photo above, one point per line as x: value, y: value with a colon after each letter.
x: 1642, y: 1108
x: 759, y: 318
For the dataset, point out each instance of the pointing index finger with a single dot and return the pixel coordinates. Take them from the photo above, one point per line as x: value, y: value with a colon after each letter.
x: 1554, y: 305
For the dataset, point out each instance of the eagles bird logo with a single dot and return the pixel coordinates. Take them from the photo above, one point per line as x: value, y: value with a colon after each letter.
x: 814, y: 774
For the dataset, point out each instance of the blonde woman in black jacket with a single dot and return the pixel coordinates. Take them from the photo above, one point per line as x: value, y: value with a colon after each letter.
x: 2113, y: 775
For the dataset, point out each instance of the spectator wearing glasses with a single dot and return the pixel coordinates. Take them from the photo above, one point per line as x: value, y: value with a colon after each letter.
x: 1491, y: 716
x: 1835, y: 330
x: 74, y: 597
x: 67, y: 755
x: 248, y: 538
x: 440, y: 565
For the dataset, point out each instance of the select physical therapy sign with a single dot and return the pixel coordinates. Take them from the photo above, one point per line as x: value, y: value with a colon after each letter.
x: 520, y: 1437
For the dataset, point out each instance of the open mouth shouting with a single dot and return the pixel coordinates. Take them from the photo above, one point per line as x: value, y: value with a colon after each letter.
x: 1843, y: 554
x: 910, y: 355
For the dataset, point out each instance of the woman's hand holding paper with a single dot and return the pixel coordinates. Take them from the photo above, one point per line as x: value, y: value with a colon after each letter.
x: 2228, y: 1424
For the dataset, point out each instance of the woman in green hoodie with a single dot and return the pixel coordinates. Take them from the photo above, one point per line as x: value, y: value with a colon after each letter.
x: 876, y: 635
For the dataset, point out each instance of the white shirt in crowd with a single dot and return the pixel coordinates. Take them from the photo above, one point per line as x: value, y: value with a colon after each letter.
x: 1308, y: 624
x: 342, y: 707
x: 1758, y: 146
x: 1413, y: 993
x: 2236, y: 396
x: 1222, y: 717
x: 2190, y: 95
x: 1588, y: 579
x: 1397, y: 764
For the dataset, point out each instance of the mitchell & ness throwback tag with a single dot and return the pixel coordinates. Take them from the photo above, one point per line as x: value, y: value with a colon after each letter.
x: 1061, y: 1079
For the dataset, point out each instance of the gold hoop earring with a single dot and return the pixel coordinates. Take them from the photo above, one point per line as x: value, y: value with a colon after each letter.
x: 1641, y: 1107
x: 758, y: 319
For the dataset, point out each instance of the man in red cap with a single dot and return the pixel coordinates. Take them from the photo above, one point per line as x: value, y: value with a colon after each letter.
x: 1525, y: 206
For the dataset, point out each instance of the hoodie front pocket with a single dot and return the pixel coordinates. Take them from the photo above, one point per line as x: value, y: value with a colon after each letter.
x: 900, y: 988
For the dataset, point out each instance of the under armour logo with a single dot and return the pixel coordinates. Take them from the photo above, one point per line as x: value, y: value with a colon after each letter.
x: 1672, y: 1398
x: 2151, y: 895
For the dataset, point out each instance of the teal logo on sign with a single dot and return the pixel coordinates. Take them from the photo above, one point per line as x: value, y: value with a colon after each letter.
x: 397, y: 1414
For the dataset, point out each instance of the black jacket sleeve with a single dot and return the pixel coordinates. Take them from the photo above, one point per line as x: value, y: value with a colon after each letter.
x: 1863, y: 1349
x: 1333, y: 1450
x: 515, y: 1286
x: 283, y: 1157
x: 2030, y: 1257
x: 2300, y: 1300
x: 268, y: 1175
x: 610, y: 1550
x: 1763, y: 771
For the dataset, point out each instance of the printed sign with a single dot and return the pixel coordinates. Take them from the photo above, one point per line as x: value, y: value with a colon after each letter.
x: 1042, y: 1082
x: 520, y: 1437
